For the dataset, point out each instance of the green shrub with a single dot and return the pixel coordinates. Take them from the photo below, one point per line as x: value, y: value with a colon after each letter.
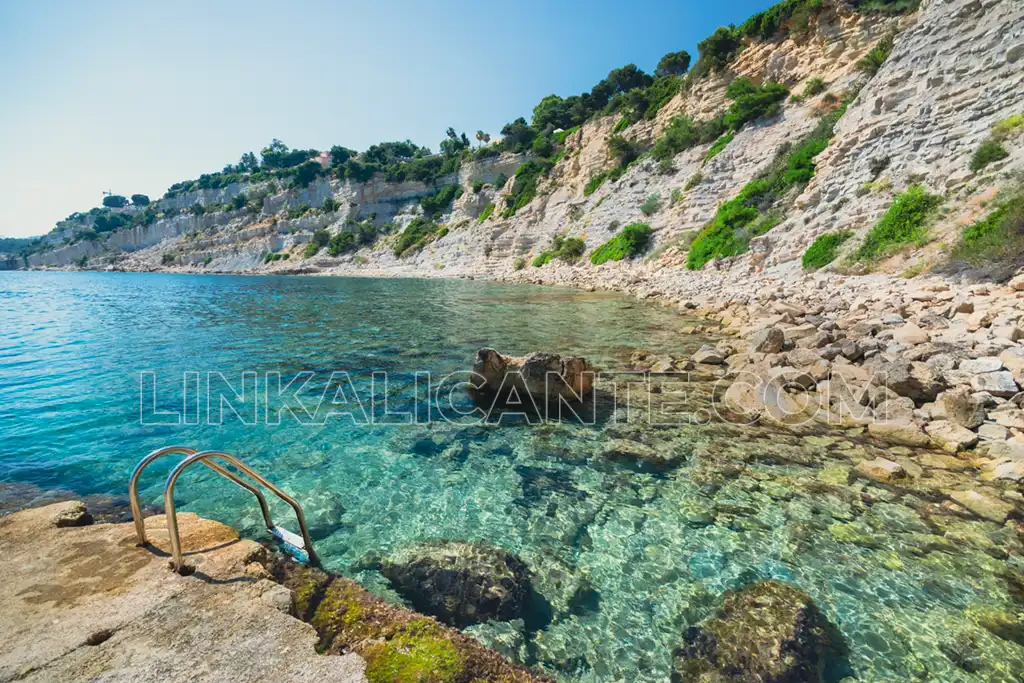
x: 631, y: 241
x: 675, y: 197
x: 716, y: 51
x: 342, y: 242
x: 543, y: 146
x: 660, y: 93
x: 823, y: 250
x: 906, y: 221
x: 140, y: 200
x: 752, y: 102
x: 679, y: 136
x: 440, y: 201
x: 319, y: 240
x: 330, y: 205
x: 477, y: 186
x: 785, y: 17
x: 720, y: 144
x: 651, y: 205
x: 168, y: 258
x: 746, y: 216
x: 990, y: 150
x: 723, y: 235
x: 415, y: 236
x: 814, y: 86
x: 561, y: 136
x: 568, y: 249
x: 995, y: 243
x: 298, y: 211
x: 524, y: 189
x: 694, y: 181
x: 519, y: 263
x: 572, y: 249
x: 875, y: 58
x: 1008, y: 127
x: 499, y: 181
x: 621, y: 125
x: 594, y: 183
x: 486, y: 213
x: 623, y: 151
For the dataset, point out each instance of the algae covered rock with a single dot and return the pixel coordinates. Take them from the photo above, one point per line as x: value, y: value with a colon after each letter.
x: 396, y: 644
x: 766, y: 632
x: 460, y: 583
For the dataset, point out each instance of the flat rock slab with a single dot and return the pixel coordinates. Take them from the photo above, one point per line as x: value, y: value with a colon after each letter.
x: 84, y: 604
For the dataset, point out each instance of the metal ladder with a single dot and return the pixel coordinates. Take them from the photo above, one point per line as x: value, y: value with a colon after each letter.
x: 301, y: 547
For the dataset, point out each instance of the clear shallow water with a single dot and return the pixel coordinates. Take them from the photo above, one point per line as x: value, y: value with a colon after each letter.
x: 628, y: 557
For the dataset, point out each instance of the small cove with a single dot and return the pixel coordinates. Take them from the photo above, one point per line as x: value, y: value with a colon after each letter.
x: 625, y: 557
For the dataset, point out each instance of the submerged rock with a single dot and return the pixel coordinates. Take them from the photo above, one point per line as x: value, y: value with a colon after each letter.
x: 765, y: 632
x: 544, y: 376
x: 459, y: 583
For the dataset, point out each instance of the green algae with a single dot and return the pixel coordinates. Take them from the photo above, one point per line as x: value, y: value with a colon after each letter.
x: 419, y: 652
x: 835, y: 475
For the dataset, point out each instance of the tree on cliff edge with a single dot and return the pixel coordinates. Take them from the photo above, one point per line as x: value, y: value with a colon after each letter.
x: 673, y: 64
x: 115, y: 201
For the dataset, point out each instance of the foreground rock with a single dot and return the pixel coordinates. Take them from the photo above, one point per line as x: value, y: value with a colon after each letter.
x: 396, y: 644
x: 82, y: 603
x: 768, y: 632
x: 544, y: 376
x: 459, y: 583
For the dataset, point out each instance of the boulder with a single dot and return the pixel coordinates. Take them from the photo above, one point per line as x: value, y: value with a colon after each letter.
x: 951, y: 437
x: 910, y: 335
x: 901, y: 433
x: 996, y: 383
x: 459, y: 583
x: 961, y: 408
x: 708, y: 355
x: 977, y: 366
x: 768, y: 632
x: 70, y: 513
x: 800, y: 331
x: 1013, y: 360
x: 768, y: 340
x: 1011, y: 419
x: 545, y: 376
x: 917, y: 381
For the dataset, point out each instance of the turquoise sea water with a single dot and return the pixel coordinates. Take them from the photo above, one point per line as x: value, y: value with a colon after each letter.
x: 627, y: 556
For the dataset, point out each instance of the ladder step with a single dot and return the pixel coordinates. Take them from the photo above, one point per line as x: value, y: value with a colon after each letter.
x: 292, y: 543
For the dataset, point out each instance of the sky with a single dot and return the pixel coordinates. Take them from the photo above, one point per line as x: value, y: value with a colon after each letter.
x: 132, y: 96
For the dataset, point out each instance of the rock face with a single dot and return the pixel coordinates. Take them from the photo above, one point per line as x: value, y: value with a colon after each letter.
x: 460, y: 583
x: 544, y: 376
x: 765, y: 632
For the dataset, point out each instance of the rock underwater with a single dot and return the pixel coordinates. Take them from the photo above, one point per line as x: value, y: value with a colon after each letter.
x: 544, y: 376
x: 766, y: 632
x: 459, y: 583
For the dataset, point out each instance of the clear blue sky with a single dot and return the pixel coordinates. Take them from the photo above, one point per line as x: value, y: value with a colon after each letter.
x: 134, y: 96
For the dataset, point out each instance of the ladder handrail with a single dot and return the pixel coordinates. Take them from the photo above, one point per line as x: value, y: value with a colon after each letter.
x: 133, y: 487
x: 205, y: 457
